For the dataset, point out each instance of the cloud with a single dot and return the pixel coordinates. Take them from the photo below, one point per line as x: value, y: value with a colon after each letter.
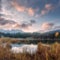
x: 57, y: 27
x: 7, y: 24
x: 47, y: 9
x: 4, y: 22
x: 10, y: 24
x: 21, y: 8
x: 31, y: 11
x: 31, y: 7
x: 25, y: 10
x: 43, y: 12
x: 0, y: 5
x: 18, y: 7
x: 49, y: 6
x: 32, y: 21
x: 27, y: 25
x: 46, y: 26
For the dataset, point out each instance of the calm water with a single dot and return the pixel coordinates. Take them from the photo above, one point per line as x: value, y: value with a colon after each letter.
x: 20, y: 48
x: 20, y: 45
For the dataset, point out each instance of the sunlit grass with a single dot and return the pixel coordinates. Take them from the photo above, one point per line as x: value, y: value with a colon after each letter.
x: 44, y: 52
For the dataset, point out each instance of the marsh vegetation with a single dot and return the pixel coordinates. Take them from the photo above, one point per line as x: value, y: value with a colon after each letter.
x: 44, y: 52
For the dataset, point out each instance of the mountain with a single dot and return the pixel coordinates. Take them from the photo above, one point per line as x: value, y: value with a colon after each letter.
x: 13, y: 31
x: 20, y: 34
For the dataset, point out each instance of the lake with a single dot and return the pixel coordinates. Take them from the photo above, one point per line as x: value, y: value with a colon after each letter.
x: 20, y: 48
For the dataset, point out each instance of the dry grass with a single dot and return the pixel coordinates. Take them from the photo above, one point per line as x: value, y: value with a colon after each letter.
x: 51, y: 52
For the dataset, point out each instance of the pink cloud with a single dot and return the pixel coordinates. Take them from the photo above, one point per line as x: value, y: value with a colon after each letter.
x: 8, y: 26
x: 47, y: 9
x: 43, y: 12
x: 31, y: 11
x: 48, y: 6
x: 20, y: 8
x: 46, y: 26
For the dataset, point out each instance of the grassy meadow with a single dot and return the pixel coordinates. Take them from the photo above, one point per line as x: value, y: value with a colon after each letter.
x: 44, y: 52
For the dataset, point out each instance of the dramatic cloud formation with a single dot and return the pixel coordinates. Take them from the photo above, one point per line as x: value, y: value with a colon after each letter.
x: 28, y: 25
x: 9, y: 24
x: 28, y: 15
x: 47, y: 26
x: 20, y: 8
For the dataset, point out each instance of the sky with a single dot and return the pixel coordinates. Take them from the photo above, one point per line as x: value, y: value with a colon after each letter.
x: 30, y: 15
